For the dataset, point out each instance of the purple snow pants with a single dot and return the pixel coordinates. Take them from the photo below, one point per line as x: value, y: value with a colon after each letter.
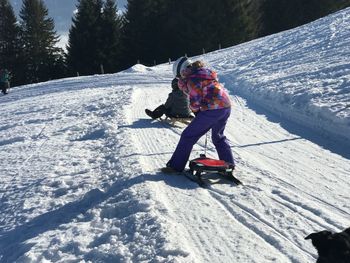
x: 204, y: 121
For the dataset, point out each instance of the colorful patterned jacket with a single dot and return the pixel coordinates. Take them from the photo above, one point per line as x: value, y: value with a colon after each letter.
x: 204, y: 90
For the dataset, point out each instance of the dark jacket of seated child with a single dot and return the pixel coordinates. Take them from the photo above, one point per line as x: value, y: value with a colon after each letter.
x: 176, y: 105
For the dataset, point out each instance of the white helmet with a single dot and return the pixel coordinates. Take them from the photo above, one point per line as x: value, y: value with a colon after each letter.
x: 180, y: 64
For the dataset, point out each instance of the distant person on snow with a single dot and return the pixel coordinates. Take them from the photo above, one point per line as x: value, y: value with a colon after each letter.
x: 176, y: 106
x: 4, y: 80
x: 210, y: 103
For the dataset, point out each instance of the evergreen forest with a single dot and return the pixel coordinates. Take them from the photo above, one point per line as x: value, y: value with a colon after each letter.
x: 104, y: 40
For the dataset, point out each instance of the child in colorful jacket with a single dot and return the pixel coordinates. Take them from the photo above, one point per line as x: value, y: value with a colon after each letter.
x: 210, y: 103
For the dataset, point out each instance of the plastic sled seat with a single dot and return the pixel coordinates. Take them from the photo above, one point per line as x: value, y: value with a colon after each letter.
x: 205, y: 164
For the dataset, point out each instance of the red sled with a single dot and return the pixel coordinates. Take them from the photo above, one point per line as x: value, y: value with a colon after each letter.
x: 203, y: 164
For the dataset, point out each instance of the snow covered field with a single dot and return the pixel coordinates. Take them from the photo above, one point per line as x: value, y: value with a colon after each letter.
x: 79, y: 160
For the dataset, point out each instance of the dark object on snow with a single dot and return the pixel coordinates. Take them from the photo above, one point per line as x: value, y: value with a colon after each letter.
x: 4, y: 80
x: 203, y: 165
x: 332, y: 248
x: 161, y: 110
x: 156, y: 113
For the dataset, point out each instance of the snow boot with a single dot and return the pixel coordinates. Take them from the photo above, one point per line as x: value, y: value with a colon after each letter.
x: 150, y: 113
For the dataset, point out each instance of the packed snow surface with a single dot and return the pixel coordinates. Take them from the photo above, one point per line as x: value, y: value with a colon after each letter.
x: 79, y: 160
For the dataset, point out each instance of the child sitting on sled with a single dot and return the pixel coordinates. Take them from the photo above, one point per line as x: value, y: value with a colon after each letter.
x: 176, y: 106
x: 210, y: 103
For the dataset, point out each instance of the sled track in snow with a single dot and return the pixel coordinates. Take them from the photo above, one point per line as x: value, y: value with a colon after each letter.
x: 243, y: 214
x: 163, y: 136
x: 284, y: 189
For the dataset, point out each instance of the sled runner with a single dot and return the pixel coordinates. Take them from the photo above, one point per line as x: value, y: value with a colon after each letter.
x: 203, y: 166
x: 174, y: 120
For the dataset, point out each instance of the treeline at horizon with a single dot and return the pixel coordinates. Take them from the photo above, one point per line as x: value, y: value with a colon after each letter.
x: 101, y: 40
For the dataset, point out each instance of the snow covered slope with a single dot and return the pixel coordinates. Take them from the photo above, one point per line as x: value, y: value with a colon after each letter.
x: 79, y: 160
x: 302, y: 74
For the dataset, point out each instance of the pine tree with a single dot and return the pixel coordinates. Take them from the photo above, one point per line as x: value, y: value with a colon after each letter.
x: 235, y: 29
x: 178, y: 29
x: 110, y: 37
x: 193, y: 25
x: 143, y: 31
x: 272, y: 16
x: 9, y: 41
x: 133, y: 33
x: 84, y: 55
x: 41, y: 57
x: 339, y: 5
x: 162, y: 29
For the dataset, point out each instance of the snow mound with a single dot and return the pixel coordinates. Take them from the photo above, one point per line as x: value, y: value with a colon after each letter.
x: 138, y: 68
